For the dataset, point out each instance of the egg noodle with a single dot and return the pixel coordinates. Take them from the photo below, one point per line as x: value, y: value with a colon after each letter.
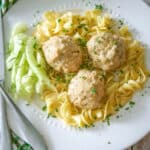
x: 120, y: 84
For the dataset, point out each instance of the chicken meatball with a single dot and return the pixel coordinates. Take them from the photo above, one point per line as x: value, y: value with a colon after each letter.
x: 107, y: 51
x: 63, y: 54
x: 86, y: 90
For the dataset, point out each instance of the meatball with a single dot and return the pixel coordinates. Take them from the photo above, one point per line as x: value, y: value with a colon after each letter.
x: 86, y: 90
x: 107, y: 51
x: 63, y: 54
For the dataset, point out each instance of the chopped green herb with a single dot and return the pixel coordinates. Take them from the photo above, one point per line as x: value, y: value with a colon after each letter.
x: 108, y: 120
x: 56, y: 109
x: 121, y: 71
x: 102, y: 76
x: 95, y: 117
x: 100, y: 7
x: 64, y: 30
x: 27, y: 104
x: 48, y: 115
x: 131, y: 103
x: 38, y: 65
x: 81, y: 25
x: 51, y: 115
x: 98, y: 40
x: 117, y: 109
x: 44, y: 108
x: 9, y: 69
x: 142, y: 94
x: 34, y: 45
x: 121, y: 22
x: 82, y: 42
x: 58, y: 78
x: 117, y: 116
x: 109, y: 142
x: 59, y: 20
x: 92, y: 125
x: 86, y: 126
x: 127, y: 108
x: 114, y: 42
x: 93, y: 90
x: 120, y: 106
x: 86, y: 29
x: 109, y: 27
x: 95, y: 52
x: 13, y: 86
x: 83, y: 77
x: 36, y: 24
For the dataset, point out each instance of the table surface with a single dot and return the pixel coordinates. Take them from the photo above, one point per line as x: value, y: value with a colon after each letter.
x: 144, y: 144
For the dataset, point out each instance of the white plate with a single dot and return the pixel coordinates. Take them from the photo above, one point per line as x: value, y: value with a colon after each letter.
x: 122, y: 132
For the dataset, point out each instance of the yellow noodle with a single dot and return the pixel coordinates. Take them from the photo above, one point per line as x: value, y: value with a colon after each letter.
x: 120, y: 85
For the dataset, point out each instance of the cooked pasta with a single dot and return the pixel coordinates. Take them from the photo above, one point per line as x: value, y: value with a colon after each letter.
x: 120, y: 84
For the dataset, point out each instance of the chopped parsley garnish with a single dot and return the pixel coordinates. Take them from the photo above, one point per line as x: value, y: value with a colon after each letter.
x: 121, y: 22
x: 93, y: 90
x: 92, y: 125
x: 82, y: 25
x: 58, y: 78
x: 35, y: 45
x: 51, y: 115
x: 117, y: 116
x: 82, y: 42
x: 100, y: 7
x: 98, y: 40
x: 27, y: 104
x: 120, y: 106
x: 95, y: 52
x: 117, y: 109
x: 127, y: 108
x: 59, y: 20
x: 64, y: 30
x: 108, y: 120
x: 121, y: 71
x: 83, y: 77
x: 115, y: 42
x: 86, y: 126
x: 38, y: 65
x: 95, y: 117
x: 109, y: 142
x: 101, y: 76
x: 131, y: 103
x: 56, y: 110
x: 44, y: 108
x: 86, y: 29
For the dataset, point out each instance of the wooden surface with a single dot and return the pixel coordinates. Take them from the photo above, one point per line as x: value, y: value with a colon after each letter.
x: 144, y: 144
